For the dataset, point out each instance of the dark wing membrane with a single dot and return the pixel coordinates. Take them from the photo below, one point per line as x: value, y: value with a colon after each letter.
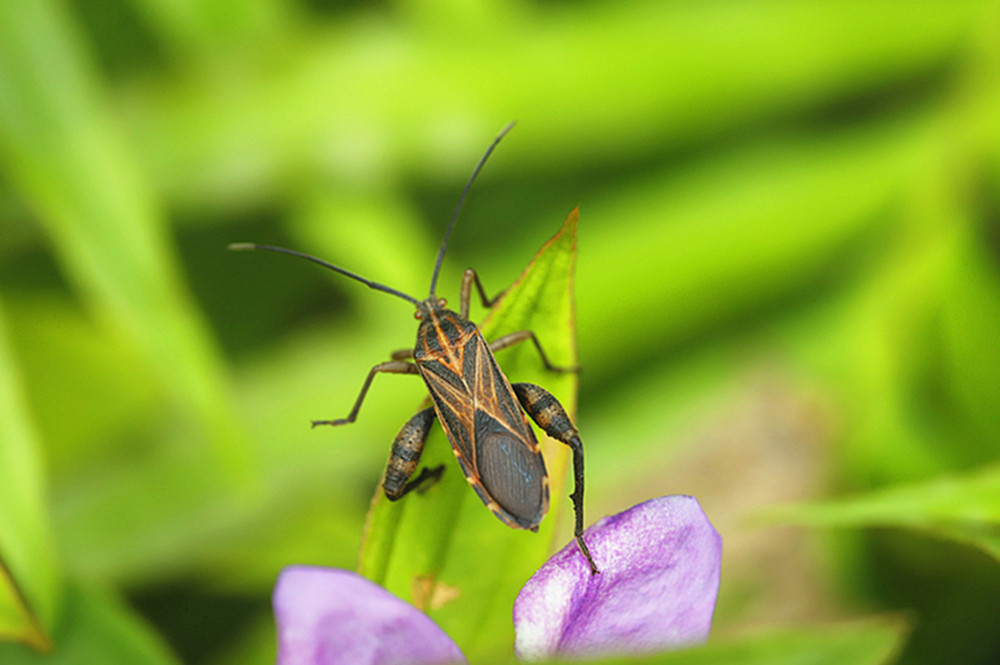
x: 512, y: 474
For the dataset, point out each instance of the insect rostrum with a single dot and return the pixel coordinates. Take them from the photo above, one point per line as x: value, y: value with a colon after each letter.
x: 482, y: 413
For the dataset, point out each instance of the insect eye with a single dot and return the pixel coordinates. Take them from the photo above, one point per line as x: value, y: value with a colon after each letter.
x: 442, y: 302
x: 418, y: 315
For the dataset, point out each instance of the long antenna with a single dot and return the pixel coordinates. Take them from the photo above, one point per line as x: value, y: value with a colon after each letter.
x: 461, y: 200
x: 249, y: 246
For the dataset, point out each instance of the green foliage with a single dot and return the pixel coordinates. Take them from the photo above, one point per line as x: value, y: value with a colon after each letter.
x: 871, y: 643
x: 29, y: 586
x: 966, y: 508
x: 95, y: 627
x: 788, y: 289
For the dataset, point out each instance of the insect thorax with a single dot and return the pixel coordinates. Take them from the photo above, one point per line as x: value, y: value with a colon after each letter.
x: 441, y: 329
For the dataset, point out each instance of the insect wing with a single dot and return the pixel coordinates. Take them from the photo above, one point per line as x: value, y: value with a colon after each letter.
x: 495, y: 447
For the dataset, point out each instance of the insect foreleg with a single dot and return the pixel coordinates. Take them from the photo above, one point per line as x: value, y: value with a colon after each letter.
x: 550, y: 415
x: 522, y: 335
x: 405, y: 456
x: 468, y: 278
x: 402, y: 354
x: 390, y: 367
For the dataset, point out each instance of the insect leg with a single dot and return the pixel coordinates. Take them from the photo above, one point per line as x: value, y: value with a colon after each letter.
x: 550, y: 415
x: 402, y: 354
x: 468, y: 277
x: 390, y: 367
x: 522, y: 335
x: 405, y: 457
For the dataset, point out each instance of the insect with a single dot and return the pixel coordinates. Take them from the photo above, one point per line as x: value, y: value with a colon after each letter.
x: 475, y: 403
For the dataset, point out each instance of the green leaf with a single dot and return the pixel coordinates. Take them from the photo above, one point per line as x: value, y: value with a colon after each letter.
x: 970, y: 322
x: 688, y: 80
x: 68, y: 161
x: 18, y: 623
x: 29, y: 580
x: 95, y: 627
x: 204, y: 27
x: 860, y: 643
x: 724, y: 243
x: 964, y: 508
x: 443, y: 550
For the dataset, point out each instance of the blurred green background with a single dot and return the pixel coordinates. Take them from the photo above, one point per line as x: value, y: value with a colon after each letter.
x: 788, y: 292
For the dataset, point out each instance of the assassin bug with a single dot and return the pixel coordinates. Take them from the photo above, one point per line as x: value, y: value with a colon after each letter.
x: 475, y: 403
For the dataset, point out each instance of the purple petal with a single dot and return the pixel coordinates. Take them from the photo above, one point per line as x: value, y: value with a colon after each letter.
x: 659, y: 578
x: 327, y: 616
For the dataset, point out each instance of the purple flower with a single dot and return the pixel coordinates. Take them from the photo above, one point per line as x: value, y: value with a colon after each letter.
x: 328, y: 616
x: 659, y: 578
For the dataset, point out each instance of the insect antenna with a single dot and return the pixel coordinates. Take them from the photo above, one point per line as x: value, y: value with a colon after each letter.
x: 461, y: 200
x: 249, y: 246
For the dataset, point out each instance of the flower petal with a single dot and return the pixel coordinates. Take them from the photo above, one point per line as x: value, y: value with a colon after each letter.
x: 657, y: 587
x: 327, y: 616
